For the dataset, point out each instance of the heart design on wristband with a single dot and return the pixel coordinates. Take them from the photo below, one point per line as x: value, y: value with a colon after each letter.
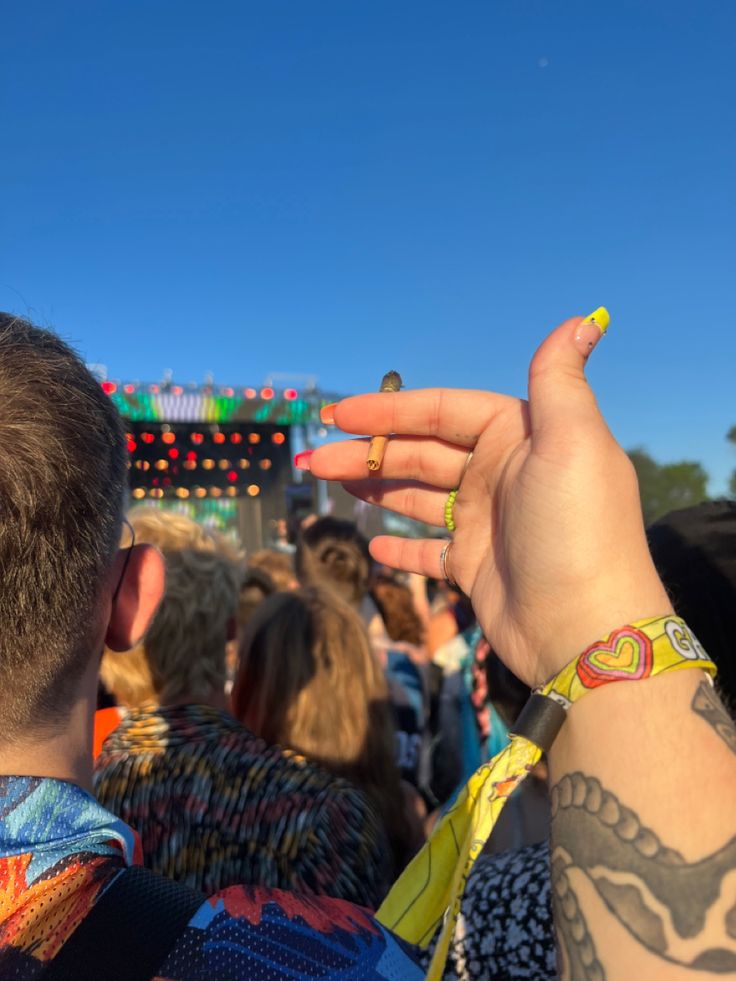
x: 626, y: 655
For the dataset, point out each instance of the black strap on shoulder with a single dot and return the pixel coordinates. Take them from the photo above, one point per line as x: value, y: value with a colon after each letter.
x: 128, y: 932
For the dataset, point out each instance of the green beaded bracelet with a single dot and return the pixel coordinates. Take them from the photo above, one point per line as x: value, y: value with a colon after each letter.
x: 449, y: 505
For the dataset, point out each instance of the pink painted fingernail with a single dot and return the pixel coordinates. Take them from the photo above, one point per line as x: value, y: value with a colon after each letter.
x: 327, y: 414
x: 301, y: 460
x: 590, y: 330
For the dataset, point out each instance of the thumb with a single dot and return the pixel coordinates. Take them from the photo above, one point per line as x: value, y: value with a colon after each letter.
x: 557, y: 384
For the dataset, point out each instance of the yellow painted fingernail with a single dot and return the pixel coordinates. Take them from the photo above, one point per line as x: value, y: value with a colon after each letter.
x: 591, y: 329
x: 600, y: 317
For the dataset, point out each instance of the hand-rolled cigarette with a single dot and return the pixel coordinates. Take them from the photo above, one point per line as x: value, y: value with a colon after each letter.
x: 391, y: 382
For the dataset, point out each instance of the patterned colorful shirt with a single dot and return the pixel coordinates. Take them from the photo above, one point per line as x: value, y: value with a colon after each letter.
x: 216, y: 806
x: 59, y: 849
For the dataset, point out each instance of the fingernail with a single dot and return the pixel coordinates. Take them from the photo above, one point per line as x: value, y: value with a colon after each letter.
x: 301, y: 460
x: 327, y: 414
x: 591, y: 330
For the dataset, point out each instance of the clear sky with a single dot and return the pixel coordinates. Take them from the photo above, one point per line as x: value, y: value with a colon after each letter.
x: 339, y: 187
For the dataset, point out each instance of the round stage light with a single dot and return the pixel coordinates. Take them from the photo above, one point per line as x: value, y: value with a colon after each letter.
x: 132, y: 445
x: 138, y: 493
x: 253, y: 490
x: 129, y: 389
x: 208, y: 464
x: 147, y: 437
x: 232, y: 491
x: 223, y: 464
x: 236, y: 438
x: 243, y: 464
x: 254, y: 438
x: 190, y: 464
x: 200, y: 492
x: 173, y: 453
x: 265, y: 464
x: 290, y: 394
x: 109, y: 388
x: 267, y: 393
x: 168, y: 438
x: 250, y: 393
x: 161, y: 464
x: 156, y: 492
x: 215, y: 492
x: 197, y: 438
x: 279, y: 439
x: 182, y: 492
x: 218, y: 438
x: 232, y: 475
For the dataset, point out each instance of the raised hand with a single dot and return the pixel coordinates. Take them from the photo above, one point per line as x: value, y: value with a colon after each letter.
x: 549, y: 541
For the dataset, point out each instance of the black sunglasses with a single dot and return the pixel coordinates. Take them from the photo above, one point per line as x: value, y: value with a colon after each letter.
x: 128, y: 550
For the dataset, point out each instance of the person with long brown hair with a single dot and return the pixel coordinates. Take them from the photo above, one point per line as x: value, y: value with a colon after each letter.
x: 307, y: 680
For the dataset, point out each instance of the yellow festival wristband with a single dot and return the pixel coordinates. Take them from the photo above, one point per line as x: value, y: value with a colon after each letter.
x: 429, y: 891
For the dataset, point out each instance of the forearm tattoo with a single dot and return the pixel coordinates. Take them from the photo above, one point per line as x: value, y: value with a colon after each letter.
x: 708, y: 705
x: 664, y: 901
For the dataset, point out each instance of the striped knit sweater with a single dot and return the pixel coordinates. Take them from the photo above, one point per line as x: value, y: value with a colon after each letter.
x: 216, y: 806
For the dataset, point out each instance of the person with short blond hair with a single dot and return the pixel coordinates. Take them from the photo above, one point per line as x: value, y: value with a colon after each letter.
x: 183, y: 656
x: 215, y: 805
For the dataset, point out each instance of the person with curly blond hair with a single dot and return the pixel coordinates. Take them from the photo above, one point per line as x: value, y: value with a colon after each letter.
x: 213, y: 803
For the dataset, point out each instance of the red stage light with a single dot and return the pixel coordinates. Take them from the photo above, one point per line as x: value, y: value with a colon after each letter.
x: 197, y: 438
x: 266, y: 393
x: 228, y: 392
x: 154, y: 389
x: 177, y: 390
x: 250, y: 393
x: 191, y: 455
x: 290, y: 394
x: 218, y: 437
x: 236, y: 438
x: 278, y: 438
x: 109, y: 388
x: 147, y: 437
x: 132, y: 445
x: 168, y: 438
x: 173, y: 453
x: 129, y: 389
x: 232, y: 475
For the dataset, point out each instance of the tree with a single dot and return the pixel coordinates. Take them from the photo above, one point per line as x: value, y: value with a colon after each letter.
x: 667, y: 486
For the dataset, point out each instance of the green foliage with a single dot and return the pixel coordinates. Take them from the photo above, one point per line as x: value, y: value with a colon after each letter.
x: 667, y: 486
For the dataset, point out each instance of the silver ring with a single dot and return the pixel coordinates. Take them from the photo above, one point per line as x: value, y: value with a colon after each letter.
x: 443, y: 563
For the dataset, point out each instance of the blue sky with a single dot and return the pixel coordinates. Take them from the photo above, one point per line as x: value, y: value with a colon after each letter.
x: 337, y: 187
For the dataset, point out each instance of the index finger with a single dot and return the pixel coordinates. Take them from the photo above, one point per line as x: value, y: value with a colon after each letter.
x: 457, y: 415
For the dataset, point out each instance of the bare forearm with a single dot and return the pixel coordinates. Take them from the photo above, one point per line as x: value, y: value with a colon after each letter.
x: 643, y: 845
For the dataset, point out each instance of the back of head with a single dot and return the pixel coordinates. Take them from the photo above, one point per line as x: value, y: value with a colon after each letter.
x: 307, y: 676
x: 182, y: 657
x: 62, y: 481
x: 333, y: 553
x: 277, y: 565
x: 694, y: 551
x: 396, y: 605
x: 307, y: 680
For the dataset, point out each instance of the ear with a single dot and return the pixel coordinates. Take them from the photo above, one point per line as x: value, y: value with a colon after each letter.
x: 139, y: 595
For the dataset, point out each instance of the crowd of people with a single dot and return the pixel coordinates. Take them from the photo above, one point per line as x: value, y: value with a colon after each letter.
x: 217, y: 764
